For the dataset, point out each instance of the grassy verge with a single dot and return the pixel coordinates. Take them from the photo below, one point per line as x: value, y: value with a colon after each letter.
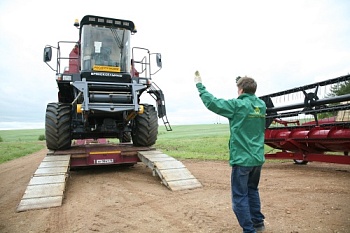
x: 17, y: 143
x: 10, y: 150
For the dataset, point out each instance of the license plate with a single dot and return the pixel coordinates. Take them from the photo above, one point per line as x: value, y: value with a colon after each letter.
x: 103, y: 161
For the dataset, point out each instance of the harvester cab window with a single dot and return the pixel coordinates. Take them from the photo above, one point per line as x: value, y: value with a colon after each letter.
x: 105, y: 54
x: 105, y: 49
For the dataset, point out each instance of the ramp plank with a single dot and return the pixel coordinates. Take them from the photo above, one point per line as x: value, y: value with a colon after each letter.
x: 151, y: 152
x: 37, y: 180
x: 156, y: 155
x: 172, y: 172
x: 177, y: 174
x: 39, y: 203
x: 44, y: 190
x: 184, y: 184
x: 60, y: 163
x: 169, y: 165
x: 161, y: 159
x: 56, y: 158
x: 50, y: 170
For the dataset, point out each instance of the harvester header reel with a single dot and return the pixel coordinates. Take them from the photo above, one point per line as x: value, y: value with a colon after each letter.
x: 311, y: 101
x: 309, y: 122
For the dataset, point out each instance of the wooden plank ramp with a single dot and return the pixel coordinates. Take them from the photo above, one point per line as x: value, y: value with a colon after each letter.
x: 172, y: 172
x: 47, y: 185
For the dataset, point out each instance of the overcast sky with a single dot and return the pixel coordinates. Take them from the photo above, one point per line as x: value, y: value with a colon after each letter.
x: 282, y: 44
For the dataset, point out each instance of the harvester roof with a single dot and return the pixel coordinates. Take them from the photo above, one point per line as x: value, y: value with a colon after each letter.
x: 109, y: 22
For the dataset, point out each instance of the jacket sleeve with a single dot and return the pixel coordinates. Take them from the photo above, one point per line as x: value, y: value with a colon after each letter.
x: 225, y: 108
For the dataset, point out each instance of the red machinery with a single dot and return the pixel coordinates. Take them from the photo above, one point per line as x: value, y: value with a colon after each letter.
x: 99, y: 152
x: 311, y: 130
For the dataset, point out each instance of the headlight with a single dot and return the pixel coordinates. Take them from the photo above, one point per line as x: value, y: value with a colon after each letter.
x: 143, y: 81
x: 63, y: 77
x: 67, y: 78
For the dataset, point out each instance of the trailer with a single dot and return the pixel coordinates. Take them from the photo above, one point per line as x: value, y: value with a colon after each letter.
x: 47, y: 185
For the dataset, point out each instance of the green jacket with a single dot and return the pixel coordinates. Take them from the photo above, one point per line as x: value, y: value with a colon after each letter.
x: 246, y: 116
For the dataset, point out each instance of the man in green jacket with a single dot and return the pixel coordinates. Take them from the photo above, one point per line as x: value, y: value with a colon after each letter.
x: 246, y: 116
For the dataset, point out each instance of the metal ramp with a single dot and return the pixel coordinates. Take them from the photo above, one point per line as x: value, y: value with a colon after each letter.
x: 47, y: 185
x: 172, y: 172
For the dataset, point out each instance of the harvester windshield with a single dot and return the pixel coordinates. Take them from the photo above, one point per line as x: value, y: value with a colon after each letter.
x: 105, y: 49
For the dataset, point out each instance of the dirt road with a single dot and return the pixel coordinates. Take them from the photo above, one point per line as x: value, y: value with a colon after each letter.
x: 295, y: 199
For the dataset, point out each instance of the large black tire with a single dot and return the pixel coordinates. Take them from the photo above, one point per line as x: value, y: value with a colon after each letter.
x: 145, y: 129
x: 57, y: 126
x: 126, y: 137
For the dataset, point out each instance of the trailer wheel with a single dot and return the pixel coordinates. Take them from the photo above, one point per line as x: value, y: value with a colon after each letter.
x: 145, y: 128
x: 57, y: 126
x: 126, y: 137
x: 300, y: 162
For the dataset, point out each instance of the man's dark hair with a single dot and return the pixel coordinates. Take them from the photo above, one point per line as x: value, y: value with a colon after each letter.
x: 247, y: 84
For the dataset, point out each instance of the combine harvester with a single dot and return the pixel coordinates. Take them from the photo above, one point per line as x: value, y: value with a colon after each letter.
x: 310, y: 123
x: 99, y: 98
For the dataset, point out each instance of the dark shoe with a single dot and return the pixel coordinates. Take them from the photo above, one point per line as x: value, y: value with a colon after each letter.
x: 259, y: 227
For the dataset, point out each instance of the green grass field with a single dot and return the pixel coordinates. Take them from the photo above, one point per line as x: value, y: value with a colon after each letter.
x: 195, y: 141
x: 185, y: 141
x: 17, y: 143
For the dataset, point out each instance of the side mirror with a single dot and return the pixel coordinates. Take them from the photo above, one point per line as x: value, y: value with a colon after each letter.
x: 159, y: 60
x: 47, y: 54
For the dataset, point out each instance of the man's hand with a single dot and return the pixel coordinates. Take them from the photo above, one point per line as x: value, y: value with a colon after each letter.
x: 197, y: 77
